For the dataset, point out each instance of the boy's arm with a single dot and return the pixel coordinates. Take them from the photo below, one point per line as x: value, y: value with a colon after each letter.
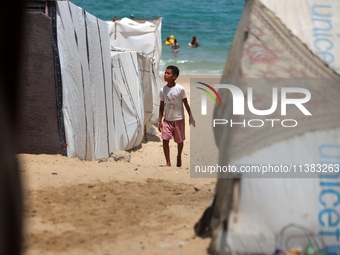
x: 191, y: 118
x: 161, y: 110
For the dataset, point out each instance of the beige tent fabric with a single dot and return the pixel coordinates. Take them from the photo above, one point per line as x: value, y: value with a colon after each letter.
x: 264, y: 48
x: 316, y: 23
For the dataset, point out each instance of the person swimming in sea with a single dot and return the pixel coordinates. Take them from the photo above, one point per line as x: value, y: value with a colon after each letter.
x: 194, y: 42
x: 175, y: 46
x: 167, y: 41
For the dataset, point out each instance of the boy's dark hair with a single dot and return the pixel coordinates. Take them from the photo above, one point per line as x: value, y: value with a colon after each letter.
x: 175, y: 70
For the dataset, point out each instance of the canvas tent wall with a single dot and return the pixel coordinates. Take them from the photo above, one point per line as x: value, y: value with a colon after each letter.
x: 318, y: 25
x: 265, y: 47
x: 140, y: 36
x: 125, y: 93
x: 82, y: 41
x: 98, y: 98
x: 128, y: 101
x: 151, y: 84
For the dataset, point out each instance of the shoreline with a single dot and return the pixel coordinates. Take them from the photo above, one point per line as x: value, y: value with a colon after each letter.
x: 193, y: 75
x: 185, y: 79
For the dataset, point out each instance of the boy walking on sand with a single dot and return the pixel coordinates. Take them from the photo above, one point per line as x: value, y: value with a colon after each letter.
x: 172, y: 97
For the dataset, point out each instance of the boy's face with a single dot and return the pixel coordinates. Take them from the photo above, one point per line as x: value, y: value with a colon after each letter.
x: 169, y: 76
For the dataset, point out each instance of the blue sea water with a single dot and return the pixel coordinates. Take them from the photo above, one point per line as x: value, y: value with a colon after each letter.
x: 213, y: 22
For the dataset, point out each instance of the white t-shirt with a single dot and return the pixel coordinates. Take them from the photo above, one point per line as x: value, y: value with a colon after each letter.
x: 173, y: 102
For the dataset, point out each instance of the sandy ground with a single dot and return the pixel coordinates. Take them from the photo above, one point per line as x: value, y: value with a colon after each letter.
x: 114, y: 207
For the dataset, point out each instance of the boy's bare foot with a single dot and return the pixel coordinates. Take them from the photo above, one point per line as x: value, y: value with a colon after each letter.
x: 168, y: 164
x: 179, y: 161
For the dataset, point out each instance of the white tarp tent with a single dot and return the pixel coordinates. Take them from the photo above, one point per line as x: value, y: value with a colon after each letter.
x: 140, y: 36
x: 151, y: 84
x: 281, y: 39
x: 315, y: 23
x: 104, y: 93
x: 85, y: 77
x: 127, y: 100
